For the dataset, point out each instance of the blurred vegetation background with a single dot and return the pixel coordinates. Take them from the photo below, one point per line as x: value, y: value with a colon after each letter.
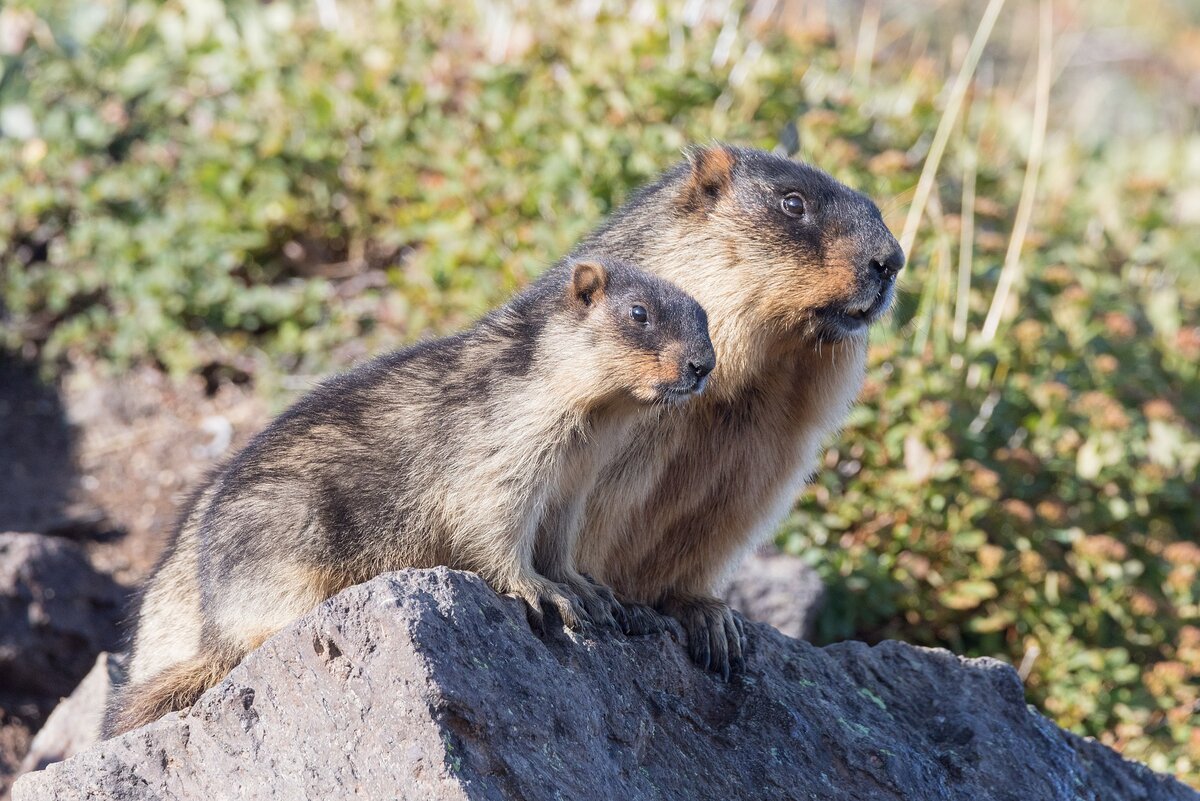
x: 265, y: 192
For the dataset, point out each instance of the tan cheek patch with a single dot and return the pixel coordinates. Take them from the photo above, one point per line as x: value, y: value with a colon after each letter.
x: 641, y: 372
x: 631, y: 369
x: 797, y: 288
x: 838, y: 282
x: 842, y: 280
x: 668, y: 372
x: 669, y: 360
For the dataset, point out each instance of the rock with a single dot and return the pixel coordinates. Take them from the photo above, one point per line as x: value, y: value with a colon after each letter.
x: 779, y: 590
x: 75, y: 723
x: 1121, y: 778
x: 424, y: 684
x: 58, y: 614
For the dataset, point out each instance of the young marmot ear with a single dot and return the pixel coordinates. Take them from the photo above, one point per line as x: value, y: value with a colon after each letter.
x: 589, y: 279
x: 710, y: 176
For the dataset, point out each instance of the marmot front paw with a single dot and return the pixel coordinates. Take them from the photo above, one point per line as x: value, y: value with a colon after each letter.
x: 715, y: 635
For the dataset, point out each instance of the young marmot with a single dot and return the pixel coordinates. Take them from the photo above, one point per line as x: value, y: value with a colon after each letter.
x: 476, y: 451
x: 793, y: 268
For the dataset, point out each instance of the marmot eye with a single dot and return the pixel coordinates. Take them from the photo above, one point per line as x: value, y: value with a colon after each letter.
x: 792, y: 205
x: 639, y: 315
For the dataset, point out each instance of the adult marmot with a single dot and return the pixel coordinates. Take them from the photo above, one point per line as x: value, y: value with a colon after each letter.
x: 792, y: 267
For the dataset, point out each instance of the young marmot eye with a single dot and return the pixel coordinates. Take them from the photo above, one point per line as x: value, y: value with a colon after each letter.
x: 792, y: 205
x: 639, y: 314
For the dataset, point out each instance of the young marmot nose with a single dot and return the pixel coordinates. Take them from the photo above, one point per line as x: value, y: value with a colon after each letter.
x: 700, y: 366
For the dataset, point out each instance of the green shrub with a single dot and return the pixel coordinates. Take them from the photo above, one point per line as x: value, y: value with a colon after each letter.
x: 196, y: 182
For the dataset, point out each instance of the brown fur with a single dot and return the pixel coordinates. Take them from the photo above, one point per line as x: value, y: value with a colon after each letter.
x: 176, y: 687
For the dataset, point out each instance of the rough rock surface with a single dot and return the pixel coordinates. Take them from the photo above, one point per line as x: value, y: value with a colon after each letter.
x: 779, y: 590
x: 75, y: 723
x: 58, y: 614
x: 426, y: 685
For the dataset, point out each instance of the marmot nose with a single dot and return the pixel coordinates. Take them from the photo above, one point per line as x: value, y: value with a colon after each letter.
x: 889, y: 264
x: 701, y: 367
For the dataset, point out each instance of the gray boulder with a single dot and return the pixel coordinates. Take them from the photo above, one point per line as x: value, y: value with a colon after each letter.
x: 75, y: 723
x: 57, y: 614
x: 425, y: 684
x: 780, y: 590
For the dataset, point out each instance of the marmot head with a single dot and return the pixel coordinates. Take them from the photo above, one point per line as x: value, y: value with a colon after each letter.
x: 649, y: 337
x: 792, y: 249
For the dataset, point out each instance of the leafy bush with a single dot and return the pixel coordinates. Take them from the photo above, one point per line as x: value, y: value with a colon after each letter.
x: 249, y: 186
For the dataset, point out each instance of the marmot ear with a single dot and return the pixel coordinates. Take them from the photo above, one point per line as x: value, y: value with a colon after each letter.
x: 589, y: 279
x: 710, y: 176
